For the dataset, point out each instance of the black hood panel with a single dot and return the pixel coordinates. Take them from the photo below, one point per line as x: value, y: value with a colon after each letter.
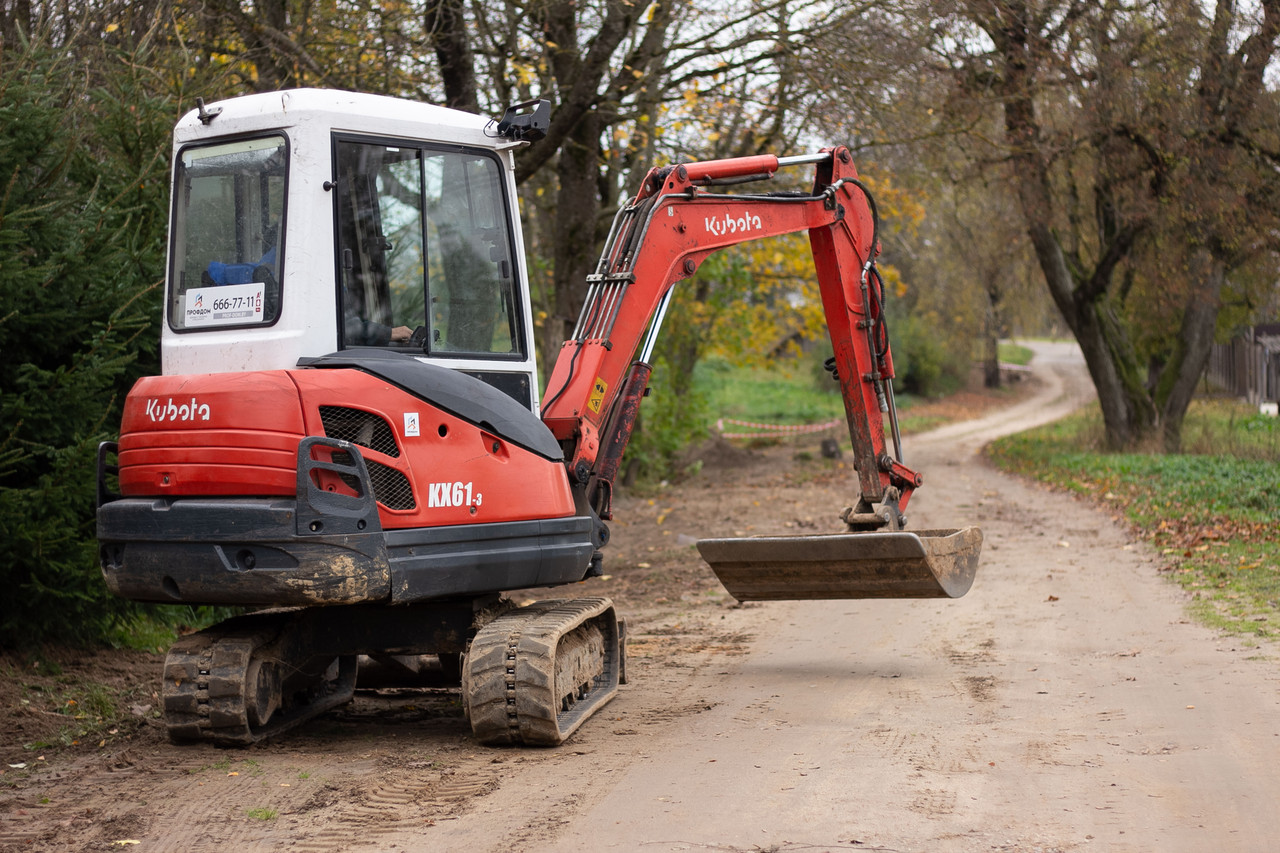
x: 451, y: 391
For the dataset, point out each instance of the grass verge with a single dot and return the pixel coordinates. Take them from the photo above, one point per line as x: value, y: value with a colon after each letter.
x: 801, y: 392
x: 785, y: 392
x: 59, y: 699
x: 1212, y: 516
x: 154, y: 627
x: 1011, y: 353
x: 796, y: 392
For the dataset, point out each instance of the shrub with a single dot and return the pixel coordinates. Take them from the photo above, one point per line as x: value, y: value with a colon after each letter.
x: 81, y: 247
x: 922, y: 362
x: 669, y: 423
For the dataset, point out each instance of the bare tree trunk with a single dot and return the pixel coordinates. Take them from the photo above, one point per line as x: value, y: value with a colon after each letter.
x: 1081, y: 295
x: 1197, y: 176
x: 991, y: 346
x: 1230, y: 87
x: 574, y: 230
x: 1127, y: 411
x: 272, y: 16
x: 1178, y: 379
x: 446, y: 23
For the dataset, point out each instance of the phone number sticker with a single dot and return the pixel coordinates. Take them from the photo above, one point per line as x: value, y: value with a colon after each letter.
x: 232, y: 304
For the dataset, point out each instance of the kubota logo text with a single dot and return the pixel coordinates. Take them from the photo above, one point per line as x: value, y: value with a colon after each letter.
x: 167, y: 410
x: 726, y: 224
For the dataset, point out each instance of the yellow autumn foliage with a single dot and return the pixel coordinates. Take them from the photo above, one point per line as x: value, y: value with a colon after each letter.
x: 759, y: 301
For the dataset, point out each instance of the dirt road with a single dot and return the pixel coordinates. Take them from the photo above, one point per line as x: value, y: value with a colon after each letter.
x: 1065, y: 704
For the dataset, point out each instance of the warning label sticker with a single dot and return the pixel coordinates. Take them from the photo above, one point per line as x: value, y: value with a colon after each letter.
x: 596, y: 400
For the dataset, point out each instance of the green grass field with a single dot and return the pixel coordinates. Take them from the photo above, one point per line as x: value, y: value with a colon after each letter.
x: 793, y: 392
x: 1014, y: 353
x: 786, y: 393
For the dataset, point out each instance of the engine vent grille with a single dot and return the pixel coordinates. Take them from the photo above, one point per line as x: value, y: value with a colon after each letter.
x: 362, y: 428
x: 390, y: 487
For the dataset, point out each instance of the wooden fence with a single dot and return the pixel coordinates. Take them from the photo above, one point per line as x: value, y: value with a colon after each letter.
x: 1248, y: 366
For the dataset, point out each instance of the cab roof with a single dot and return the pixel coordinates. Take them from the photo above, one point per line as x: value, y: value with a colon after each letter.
x: 337, y: 110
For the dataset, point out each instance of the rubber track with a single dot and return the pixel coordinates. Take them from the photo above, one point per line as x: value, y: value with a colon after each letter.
x: 509, y: 680
x: 204, y: 687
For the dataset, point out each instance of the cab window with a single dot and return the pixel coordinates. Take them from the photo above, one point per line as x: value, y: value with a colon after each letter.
x: 424, y: 245
x: 228, y: 222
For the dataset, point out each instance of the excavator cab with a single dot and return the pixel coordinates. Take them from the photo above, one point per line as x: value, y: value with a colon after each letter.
x: 308, y: 223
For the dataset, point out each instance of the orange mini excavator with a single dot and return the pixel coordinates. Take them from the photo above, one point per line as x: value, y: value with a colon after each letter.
x: 348, y: 437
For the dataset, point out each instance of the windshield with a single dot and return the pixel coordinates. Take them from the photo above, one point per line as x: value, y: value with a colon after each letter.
x: 228, y: 210
x: 424, y: 243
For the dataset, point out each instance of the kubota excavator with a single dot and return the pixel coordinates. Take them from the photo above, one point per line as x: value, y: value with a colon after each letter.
x: 348, y: 430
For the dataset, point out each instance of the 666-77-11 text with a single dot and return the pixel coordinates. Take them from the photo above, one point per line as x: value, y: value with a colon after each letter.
x: 233, y: 303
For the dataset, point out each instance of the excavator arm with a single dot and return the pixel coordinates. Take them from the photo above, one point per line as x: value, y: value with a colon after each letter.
x: 593, y: 396
x: 659, y: 239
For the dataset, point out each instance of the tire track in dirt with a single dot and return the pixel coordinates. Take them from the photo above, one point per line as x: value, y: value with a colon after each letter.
x: 370, y: 818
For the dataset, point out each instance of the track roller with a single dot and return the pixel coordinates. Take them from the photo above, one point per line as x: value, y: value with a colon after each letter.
x: 234, y: 684
x: 533, y: 675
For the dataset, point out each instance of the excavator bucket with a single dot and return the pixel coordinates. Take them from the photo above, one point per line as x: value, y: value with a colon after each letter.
x: 917, y: 564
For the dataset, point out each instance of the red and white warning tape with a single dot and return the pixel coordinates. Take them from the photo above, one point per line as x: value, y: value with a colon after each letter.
x: 769, y: 430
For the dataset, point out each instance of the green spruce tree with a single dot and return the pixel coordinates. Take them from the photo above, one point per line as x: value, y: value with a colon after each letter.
x: 81, y: 253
